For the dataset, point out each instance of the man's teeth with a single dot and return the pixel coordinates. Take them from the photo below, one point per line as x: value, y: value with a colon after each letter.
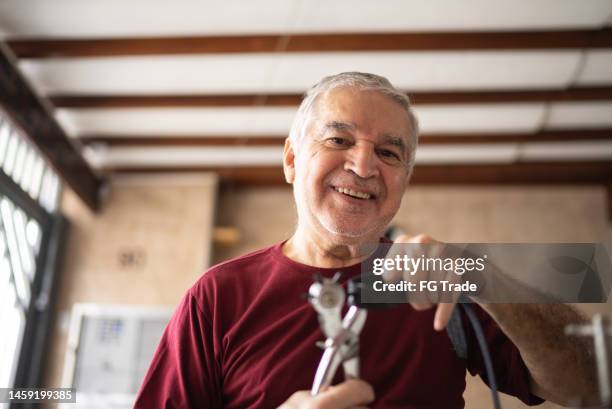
x: 350, y: 192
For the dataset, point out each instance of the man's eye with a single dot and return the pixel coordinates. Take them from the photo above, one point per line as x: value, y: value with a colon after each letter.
x: 338, y: 141
x: 385, y: 153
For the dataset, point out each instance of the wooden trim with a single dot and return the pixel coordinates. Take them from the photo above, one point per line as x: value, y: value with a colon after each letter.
x: 29, y: 113
x: 497, y: 40
x: 574, y: 135
x: 172, y: 141
x: 553, y: 173
x: 418, y: 98
x: 271, y: 140
x: 609, y: 201
x: 528, y: 173
x: 162, y: 101
x: 538, y: 95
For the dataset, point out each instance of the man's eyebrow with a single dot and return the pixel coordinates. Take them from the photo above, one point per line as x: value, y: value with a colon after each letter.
x: 339, y: 126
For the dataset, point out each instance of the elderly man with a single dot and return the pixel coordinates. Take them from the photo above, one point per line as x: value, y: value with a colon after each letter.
x: 244, y: 337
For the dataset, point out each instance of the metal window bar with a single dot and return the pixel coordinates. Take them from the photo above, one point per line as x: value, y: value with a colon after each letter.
x: 37, y: 172
x: 5, y: 131
x: 20, y: 162
x: 19, y: 277
x: 11, y: 153
x: 26, y: 179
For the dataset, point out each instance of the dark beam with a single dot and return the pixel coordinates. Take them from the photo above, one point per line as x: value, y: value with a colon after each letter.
x: 609, y: 191
x: 553, y: 173
x: 565, y: 135
x: 172, y: 141
x: 418, y: 98
x: 278, y: 140
x: 161, y: 101
x: 537, y: 95
x: 28, y: 113
x: 497, y: 40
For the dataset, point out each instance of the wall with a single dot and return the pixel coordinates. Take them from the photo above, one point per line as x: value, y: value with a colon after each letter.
x: 453, y: 214
x: 151, y: 241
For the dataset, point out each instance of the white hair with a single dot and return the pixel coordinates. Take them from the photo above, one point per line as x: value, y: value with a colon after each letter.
x: 361, y: 81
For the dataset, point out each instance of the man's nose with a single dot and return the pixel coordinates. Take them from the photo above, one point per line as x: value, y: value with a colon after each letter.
x: 361, y: 160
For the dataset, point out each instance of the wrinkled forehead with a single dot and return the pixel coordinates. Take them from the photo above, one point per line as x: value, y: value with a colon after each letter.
x: 346, y: 105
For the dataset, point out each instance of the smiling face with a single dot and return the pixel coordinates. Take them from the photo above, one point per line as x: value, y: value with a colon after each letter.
x: 351, y: 168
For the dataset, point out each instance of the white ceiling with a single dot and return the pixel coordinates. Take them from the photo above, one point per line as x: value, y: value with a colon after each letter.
x: 271, y: 121
x: 295, y: 72
x: 429, y: 154
x: 145, y: 18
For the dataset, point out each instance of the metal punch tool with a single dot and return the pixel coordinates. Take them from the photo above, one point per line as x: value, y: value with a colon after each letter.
x: 327, y: 296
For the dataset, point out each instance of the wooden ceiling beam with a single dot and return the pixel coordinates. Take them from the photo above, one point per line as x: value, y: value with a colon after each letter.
x: 462, y: 40
x: 34, y: 118
x: 554, y: 173
x: 163, y: 101
x: 271, y: 140
x: 565, y: 135
x: 418, y: 98
x: 535, y: 95
x: 609, y: 194
x: 177, y: 141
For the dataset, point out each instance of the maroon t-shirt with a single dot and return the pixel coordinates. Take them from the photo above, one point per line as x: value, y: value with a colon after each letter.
x: 244, y: 337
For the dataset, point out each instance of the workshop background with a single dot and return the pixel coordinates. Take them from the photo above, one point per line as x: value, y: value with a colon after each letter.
x: 140, y: 143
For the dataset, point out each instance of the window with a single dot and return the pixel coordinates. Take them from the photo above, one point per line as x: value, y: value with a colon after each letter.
x: 29, y: 228
x: 109, y: 351
x: 25, y: 166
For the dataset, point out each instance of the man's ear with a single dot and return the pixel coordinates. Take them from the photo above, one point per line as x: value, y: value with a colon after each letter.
x: 409, y: 176
x: 407, y: 181
x: 289, y: 161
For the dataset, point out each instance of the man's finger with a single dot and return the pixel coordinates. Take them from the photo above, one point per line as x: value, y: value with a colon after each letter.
x: 443, y: 315
x: 346, y: 395
x: 297, y: 400
x: 421, y: 306
x: 419, y: 238
x: 444, y: 311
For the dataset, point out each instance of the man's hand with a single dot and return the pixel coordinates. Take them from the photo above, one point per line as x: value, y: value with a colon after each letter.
x: 349, y: 394
x: 444, y: 311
